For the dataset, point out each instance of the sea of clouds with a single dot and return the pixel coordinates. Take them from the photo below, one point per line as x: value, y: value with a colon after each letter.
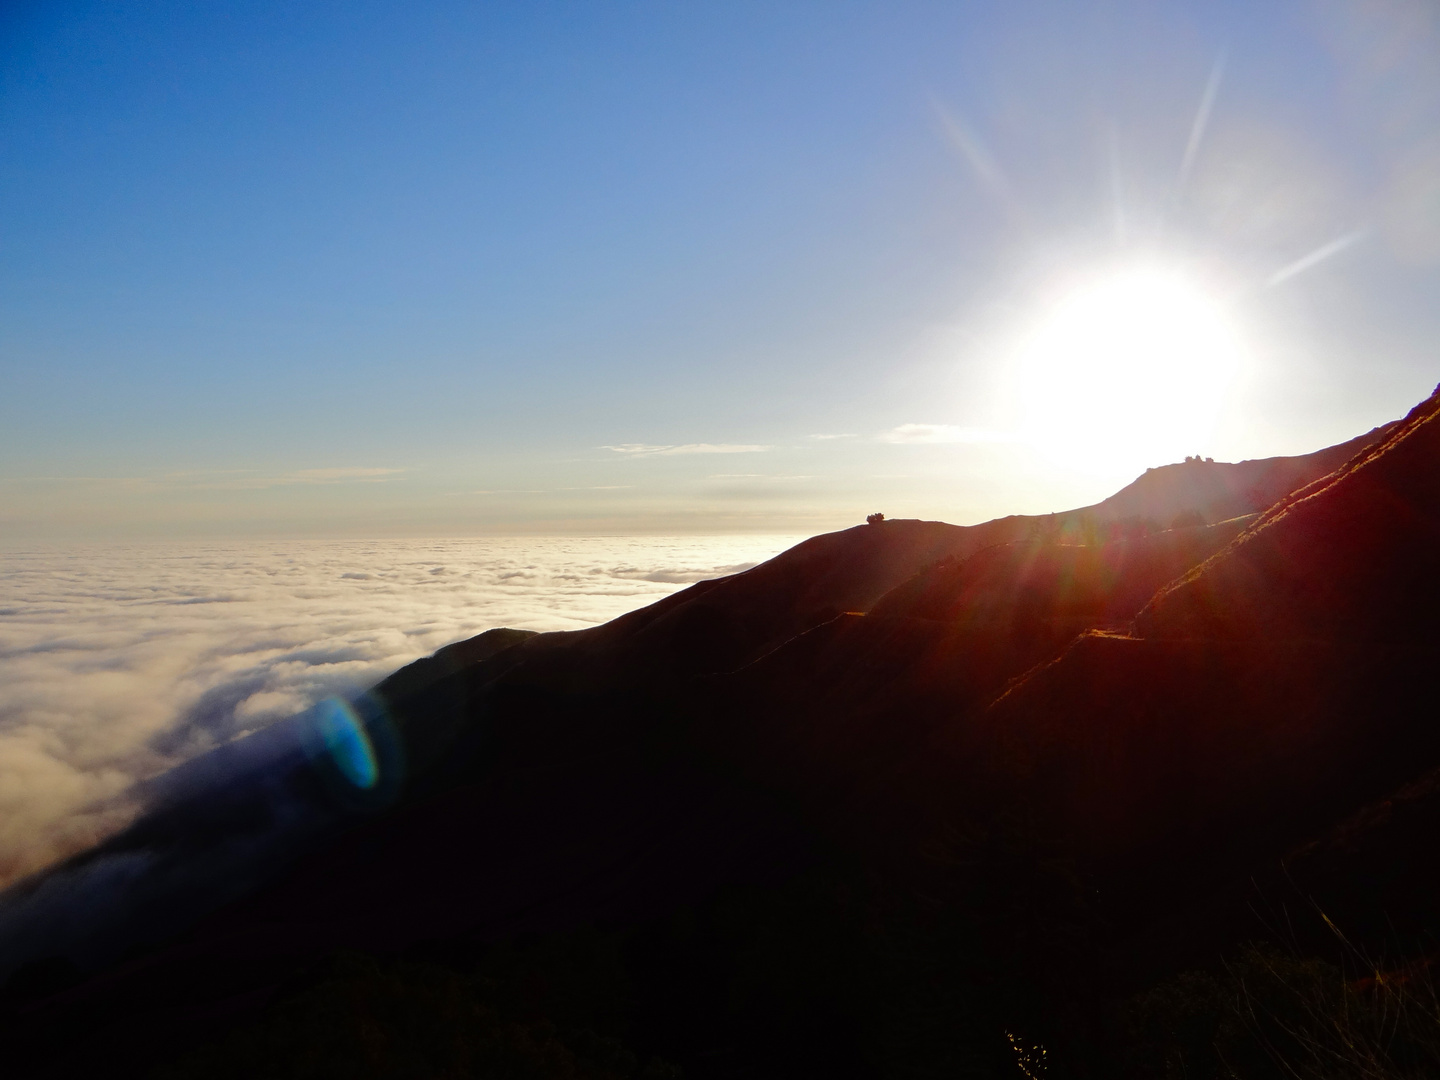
x: 118, y: 662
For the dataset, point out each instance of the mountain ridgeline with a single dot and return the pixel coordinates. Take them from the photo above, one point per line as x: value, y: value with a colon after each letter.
x: 1122, y: 791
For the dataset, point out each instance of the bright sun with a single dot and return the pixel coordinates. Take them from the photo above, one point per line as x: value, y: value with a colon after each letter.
x: 1129, y: 370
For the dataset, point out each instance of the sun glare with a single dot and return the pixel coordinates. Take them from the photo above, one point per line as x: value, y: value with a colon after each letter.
x: 1128, y: 371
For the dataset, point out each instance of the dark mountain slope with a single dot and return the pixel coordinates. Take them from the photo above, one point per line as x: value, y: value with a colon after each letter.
x: 720, y: 625
x: 1032, y: 581
x: 616, y: 762
x: 854, y: 696
x: 902, y: 709
x: 1154, y: 753
x: 1279, y: 686
x: 1369, y: 873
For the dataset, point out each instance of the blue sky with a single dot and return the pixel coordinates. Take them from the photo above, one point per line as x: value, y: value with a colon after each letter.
x: 383, y: 268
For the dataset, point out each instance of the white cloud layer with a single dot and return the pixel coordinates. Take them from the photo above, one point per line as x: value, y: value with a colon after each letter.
x: 944, y: 433
x: 118, y: 662
x: 649, y: 450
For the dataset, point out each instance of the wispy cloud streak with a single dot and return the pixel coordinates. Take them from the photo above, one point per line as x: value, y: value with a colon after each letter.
x: 651, y: 450
x: 1315, y: 258
x: 944, y: 433
x: 982, y: 162
x: 1202, y: 119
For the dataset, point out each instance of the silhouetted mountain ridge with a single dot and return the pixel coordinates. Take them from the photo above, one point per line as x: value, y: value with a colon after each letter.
x: 1058, y: 753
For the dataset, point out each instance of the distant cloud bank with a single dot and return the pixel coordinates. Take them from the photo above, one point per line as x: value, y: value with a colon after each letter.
x: 945, y: 433
x: 119, y: 662
x: 649, y: 450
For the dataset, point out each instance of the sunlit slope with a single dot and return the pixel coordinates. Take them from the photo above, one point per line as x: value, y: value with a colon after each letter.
x: 1353, y: 556
x: 720, y: 625
x: 840, y: 708
x: 1278, y: 686
x: 1221, y: 490
x: 1036, y: 585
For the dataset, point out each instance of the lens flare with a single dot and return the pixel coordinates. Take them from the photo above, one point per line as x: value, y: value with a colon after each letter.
x: 347, y: 743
